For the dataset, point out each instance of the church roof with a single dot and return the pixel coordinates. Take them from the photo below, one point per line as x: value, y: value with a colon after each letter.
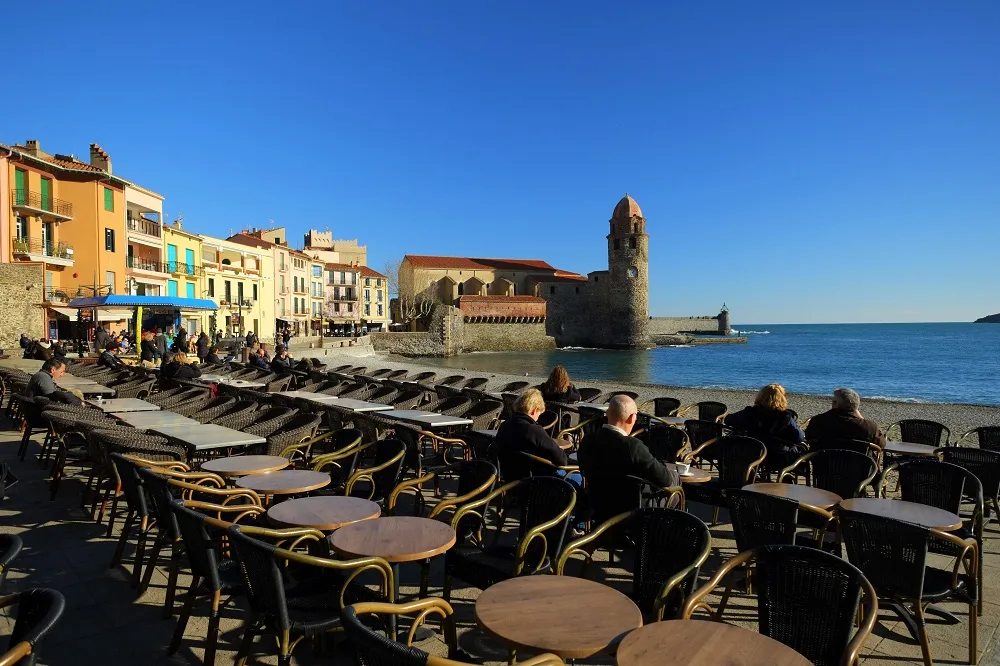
x: 626, y: 208
x: 478, y: 264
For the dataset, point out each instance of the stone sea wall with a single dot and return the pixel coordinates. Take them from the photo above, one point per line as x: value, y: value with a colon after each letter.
x: 674, y: 325
x: 21, y: 287
x: 505, y: 337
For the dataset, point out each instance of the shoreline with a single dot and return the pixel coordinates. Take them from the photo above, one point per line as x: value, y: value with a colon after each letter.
x: 958, y: 417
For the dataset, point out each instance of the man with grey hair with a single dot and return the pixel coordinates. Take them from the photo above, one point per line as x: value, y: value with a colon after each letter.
x: 610, y: 454
x: 844, y: 421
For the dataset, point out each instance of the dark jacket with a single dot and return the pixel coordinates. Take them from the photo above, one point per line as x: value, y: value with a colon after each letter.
x: 109, y: 360
x: 101, y: 339
x: 181, y: 342
x: 25, y: 341
x: 606, y: 457
x: 160, y: 340
x: 259, y: 362
x: 570, y: 395
x: 838, y: 424
x: 42, y: 353
x: 520, y: 433
x: 213, y: 358
x: 176, y: 370
x: 251, y: 339
x: 42, y: 384
x: 202, y: 345
x: 282, y: 366
x: 148, y: 351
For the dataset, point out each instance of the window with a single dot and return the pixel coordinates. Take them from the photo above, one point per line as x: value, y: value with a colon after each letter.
x: 336, y: 307
x: 378, y: 283
x: 378, y: 295
x: 368, y: 281
x: 228, y: 292
x: 109, y: 240
x: 22, y: 228
x: 552, y: 290
x: 211, y: 286
x: 109, y: 199
x: 171, y: 258
x: 46, y: 193
x: 631, y: 243
x: 189, y: 260
x: 379, y: 310
x: 281, y: 284
x: 189, y: 287
x: 368, y: 310
x: 21, y: 186
x: 255, y: 291
x: 578, y: 290
x: 281, y: 261
x: 368, y: 294
x: 239, y: 292
x: 171, y: 287
x: 317, y: 271
x: 109, y: 279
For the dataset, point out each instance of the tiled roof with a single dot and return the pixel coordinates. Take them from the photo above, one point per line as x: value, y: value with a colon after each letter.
x: 68, y: 163
x: 368, y: 272
x: 566, y: 277
x: 341, y: 267
x: 252, y: 241
x: 517, y: 264
x: 475, y: 263
x: 501, y: 299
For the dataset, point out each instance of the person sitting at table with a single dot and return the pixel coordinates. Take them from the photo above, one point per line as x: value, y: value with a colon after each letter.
x: 213, y: 356
x: 147, y: 350
x: 769, y: 420
x: 610, y: 453
x: 282, y: 361
x: 558, y: 387
x: 109, y: 357
x: 43, y: 383
x: 522, y: 433
x: 43, y: 350
x: 259, y: 360
x: 179, y: 368
x: 844, y: 421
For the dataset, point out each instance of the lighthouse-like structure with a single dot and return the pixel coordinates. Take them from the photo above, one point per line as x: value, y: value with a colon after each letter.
x: 626, y: 297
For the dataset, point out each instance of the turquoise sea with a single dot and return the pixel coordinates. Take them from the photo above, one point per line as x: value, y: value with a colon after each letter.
x: 957, y: 363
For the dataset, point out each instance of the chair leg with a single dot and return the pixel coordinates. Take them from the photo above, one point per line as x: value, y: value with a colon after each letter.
x: 446, y: 590
x: 120, y: 550
x: 925, y: 644
x: 973, y: 633
x: 182, y: 620
x: 153, y: 557
x: 425, y: 574
x: 112, y: 514
x: 247, y: 642
x: 715, y: 516
x: 175, y: 565
x: 140, y: 548
x: 57, y: 471
x: 212, y: 639
x: 25, y: 439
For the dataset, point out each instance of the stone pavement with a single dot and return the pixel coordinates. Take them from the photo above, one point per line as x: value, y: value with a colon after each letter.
x: 106, y: 624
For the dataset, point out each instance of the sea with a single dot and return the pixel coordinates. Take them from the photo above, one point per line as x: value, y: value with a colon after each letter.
x: 939, y: 362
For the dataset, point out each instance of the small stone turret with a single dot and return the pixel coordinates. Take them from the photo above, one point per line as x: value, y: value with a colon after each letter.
x: 724, y: 325
x: 626, y: 323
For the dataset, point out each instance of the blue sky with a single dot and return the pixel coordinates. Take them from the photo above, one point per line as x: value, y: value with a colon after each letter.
x: 801, y: 161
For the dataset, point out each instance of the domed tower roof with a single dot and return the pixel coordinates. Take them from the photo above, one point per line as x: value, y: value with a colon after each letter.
x: 626, y: 208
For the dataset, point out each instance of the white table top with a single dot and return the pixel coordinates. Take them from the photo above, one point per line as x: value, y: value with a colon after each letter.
x: 115, y: 405
x: 361, y: 405
x: 86, y: 387
x: 593, y: 405
x: 243, y: 383
x: 151, y: 419
x: 428, y: 419
x: 201, y: 437
x: 307, y: 395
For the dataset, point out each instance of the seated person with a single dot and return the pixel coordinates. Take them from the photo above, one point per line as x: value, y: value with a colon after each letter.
x: 213, y: 356
x: 179, y: 368
x: 109, y: 357
x: 522, y: 433
x: 43, y: 350
x: 610, y: 454
x: 844, y: 421
x: 43, y: 383
x: 769, y: 420
x: 558, y: 387
x: 282, y: 362
x: 259, y: 360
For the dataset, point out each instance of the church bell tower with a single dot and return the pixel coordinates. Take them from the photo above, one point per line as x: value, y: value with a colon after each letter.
x: 628, y: 265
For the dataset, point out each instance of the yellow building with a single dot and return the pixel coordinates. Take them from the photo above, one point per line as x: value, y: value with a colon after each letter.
x: 239, y: 278
x: 317, y: 297
x: 185, y: 275
x: 374, y: 300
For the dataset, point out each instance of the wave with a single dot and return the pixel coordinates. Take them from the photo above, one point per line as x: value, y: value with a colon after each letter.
x: 735, y: 332
x: 581, y: 349
x: 896, y: 399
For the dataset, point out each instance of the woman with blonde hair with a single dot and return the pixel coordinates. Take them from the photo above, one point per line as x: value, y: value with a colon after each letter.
x: 769, y: 420
x: 179, y: 368
x: 558, y: 387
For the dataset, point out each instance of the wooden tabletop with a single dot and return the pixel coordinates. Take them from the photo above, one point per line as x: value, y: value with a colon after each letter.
x: 244, y: 465
x: 574, y: 618
x: 285, y: 482
x: 911, y: 512
x: 817, y: 497
x: 694, y: 475
x: 323, y: 513
x: 703, y: 643
x: 394, y: 538
x: 910, y: 449
x: 119, y: 405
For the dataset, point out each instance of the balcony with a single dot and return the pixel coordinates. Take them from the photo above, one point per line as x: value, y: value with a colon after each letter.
x: 145, y: 231
x: 56, y: 295
x: 34, y: 202
x: 183, y: 269
x: 342, y: 298
x: 34, y: 249
x: 140, y: 264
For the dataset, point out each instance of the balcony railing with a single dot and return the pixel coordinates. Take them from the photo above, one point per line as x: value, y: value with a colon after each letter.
x: 36, y: 247
x: 146, y: 264
x: 144, y: 226
x: 56, y: 295
x: 343, y: 298
x: 35, y: 200
x: 184, y: 269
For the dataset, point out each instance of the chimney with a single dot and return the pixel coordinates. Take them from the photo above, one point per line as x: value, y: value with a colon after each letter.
x: 31, y: 147
x: 99, y: 158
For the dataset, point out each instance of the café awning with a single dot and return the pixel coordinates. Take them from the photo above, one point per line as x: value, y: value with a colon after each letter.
x: 127, y: 301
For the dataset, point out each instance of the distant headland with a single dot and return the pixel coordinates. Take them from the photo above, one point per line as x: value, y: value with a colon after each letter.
x: 990, y: 319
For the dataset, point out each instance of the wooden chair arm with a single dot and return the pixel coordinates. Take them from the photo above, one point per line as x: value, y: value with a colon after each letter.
x: 696, y: 452
x: 671, y: 583
x: 410, y: 484
x: 696, y: 600
x: 563, y: 434
x: 538, y: 532
x: 367, y: 473
x: 472, y: 506
x: 578, y: 544
x: 449, y: 443
x: 242, y: 510
x: 15, y: 654
x: 197, y: 478
x: 789, y: 471
x: 424, y: 608
x: 359, y: 565
x: 446, y: 504
x: 321, y: 461
x: 869, y: 612
x: 189, y: 489
x: 167, y: 464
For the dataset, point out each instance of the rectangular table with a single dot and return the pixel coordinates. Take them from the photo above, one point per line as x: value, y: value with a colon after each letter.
x: 426, y: 419
x: 153, y: 419
x: 203, y: 437
x: 118, y: 405
x: 318, y: 398
x: 85, y: 387
x: 360, y: 405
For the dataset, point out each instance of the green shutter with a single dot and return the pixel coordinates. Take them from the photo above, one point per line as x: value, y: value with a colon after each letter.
x: 21, y: 185
x: 171, y: 287
x: 46, y: 194
x: 109, y: 199
x: 190, y: 290
x: 189, y: 259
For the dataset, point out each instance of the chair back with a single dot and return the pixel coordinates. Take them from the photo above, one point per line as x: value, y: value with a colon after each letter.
x: 512, y: 387
x: 158, y: 489
x: 541, y: 499
x: 932, y: 482
x: 667, y: 542
x: 374, y: 649
x: 664, y: 441
x: 733, y: 455
x: 262, y: 577
x: 841, y: 472
x: 666, y: 406
x: 128, y: 476
x: 831, y: 443
x: 983, y: 463
x: 474, y: 382
x: 892, y: 554
x: 808, y: 600
x: 450, y: 380
x: 922, y: 431
x: 593, y: 418
x: 547, y: 419
x: 589, y: 394
x: 760, y: 519
x: 709, y: 410
x: 10, y: 547
x: 198, y: 545
x: 699, y: 431
x: 988, y: 437
x: 37, y: 612
x: 632, y: 394
x: 383, y: 481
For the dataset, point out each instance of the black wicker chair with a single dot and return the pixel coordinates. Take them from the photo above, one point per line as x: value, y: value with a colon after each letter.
x: 545, y: 505
x: 663, y: 441
x: 589, y: 394
x: 511, y: 387
x: 665, y: 406
x: 922, y: 431
x: 408, y: 399
x: 843, y: 473
x: 239, y: 416
x: 300, y: 428
x: 138, y: 511
x: 670, y: 547
x: 137, y: 388
x: 36, y: 612
x: 807, y: 599
x: 384, y: 474
x: 455, y: 405
x: 736, y: 459
x: 10, y: 548
x: 987, y: 437
x: 450, y: 380
x: 213, y: 409
x: 383, y: 395
x: 485, y: 415
x: 707, y: 410
x: 873, y: 451
x: 985, y: 464
x: 893, y: 555
x: 632, y: 394
x: 475, y: 382
x: 699, y: 432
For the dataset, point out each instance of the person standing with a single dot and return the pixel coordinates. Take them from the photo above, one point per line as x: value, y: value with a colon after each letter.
x: 286, y: 337
x: 160, y: 342
x: 202, y: 346
x: 251, y: 340
x: 181, y: 341
x: 101, y: 338
x: 147, y: 350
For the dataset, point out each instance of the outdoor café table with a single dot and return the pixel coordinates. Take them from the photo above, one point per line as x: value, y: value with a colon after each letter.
x: 911, y: 512
x: 353, y: 405
x: 318, y: 398
x: 822, y: 499
x: 703, y: 643
x: 120, y: 405
x: 574, y: 618
x: 694, y: 474
x: 148, y: 420
x: 323, y: 513
x: 395, y: 539
x: 209, y: 377
x: 244, y: 465
x: 207, y: 436
x: 601, y: 406
x: 285, y: 482
x: 241, y: 383
x: 910, y: 449
x: 428, y: 420
x: 85, y: 386
x: 670, y: 420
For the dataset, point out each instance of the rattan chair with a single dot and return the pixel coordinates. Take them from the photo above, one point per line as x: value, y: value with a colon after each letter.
x: 549, y: 420
x: 870, y: 449
x: 475, y: 382
x: 10, y: 547
x: 987, y: 437
x: 384, y: 474
x: 300, y: 428
x: 670, y: 547
x: 985, y: 464
x: 664, y: 441
x: 843, y: 473
x: 407, y: 399
x: 36, y: 612
x: 138, y: 512
x: 736, y: 460
x: 137, y: 388
x: 807, y: 599
x: 893, y: 555
x: 632, y: 394
x: 512, y: 387
x: 921, y: 431
x: 213, y: 409
x: 545, y: 505
x: 701, y: 432
x: 454, y: 405
x: 485, y: 415
x: 664, y: 406
x: 240, y: 415
x: 707, y: 410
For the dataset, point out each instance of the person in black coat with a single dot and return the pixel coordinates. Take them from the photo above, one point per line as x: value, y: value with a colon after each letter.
x: 282, y: 362
x: 522, y: 433
x: 844, y: 421
x: 109, y: 357
x: 558, y: 387
x: 179, y: 368
x: 610, y: 454
x: 259, y: 360
x: 251, y: 339
x: 147, y: 349
x: 202, y: 345
x: 25, y: 341
x: 181, y: 341
x: 101, y: 338
x: 213, y: 356
x: 770, y: 421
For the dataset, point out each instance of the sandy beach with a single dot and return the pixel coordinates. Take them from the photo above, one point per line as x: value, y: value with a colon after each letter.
x: 958, y: 418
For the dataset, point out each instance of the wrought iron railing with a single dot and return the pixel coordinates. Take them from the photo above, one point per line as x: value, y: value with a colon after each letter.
x: 184, y: 269
x: 146, y: 264
x: 56, y: 295
x: 37, y: 247
x: 47, y: 203
x: 144, y: 226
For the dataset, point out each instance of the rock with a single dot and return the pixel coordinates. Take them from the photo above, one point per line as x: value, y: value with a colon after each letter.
x: 990, y: 319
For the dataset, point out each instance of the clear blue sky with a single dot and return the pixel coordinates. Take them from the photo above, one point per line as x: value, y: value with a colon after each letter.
x: 801, y: 161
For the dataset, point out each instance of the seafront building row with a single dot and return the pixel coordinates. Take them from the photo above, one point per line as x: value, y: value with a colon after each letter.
x: 71, y: 228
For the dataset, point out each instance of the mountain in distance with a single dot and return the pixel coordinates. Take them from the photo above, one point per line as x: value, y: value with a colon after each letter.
x: 991, y: 319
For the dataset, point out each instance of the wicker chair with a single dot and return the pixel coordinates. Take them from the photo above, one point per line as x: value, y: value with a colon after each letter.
x: 893, y: 555
x: 549, y: 420
x: 423, y: 377
x: 664, y: 406
x: 137, y: 388
x: 192, y: 407
x: 511, y: 387
x: 987, y: 437
x: 383, y: 395
x: 807, y: 599
x: 37, y: 611
x: 545, y: 505
x: 843, y: 473
x: 70, y: 441
x: 985, y: 464
x: 265, y: 422
x: 278, y: 384
x: 486, y: 413
x: 663, y: 441
x: 384, y: 474
x: 298, y: 429
x: 701, y: 432
x: 10, y: 547
x: 632, y: 394
x: 873, y: 451
x: 737, y: 460
x: 138, y: 511
x: 708, y: 410
x: 455, y: 405
x: 31, y: 411
x: 450, y: 380
x: 670, y: 548
x: 213, y: 409
x: 408, y: 399
x: 242, y: 414
x: 476, y: 479
x: 474, y: 382
x: 178, y: 397
x: 922, y: 431
x: 303, y: 454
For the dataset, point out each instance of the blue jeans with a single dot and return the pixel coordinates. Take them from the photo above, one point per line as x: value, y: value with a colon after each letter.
x: 575, y: 478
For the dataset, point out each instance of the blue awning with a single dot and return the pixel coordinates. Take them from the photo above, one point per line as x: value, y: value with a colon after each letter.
x: 124, y: 301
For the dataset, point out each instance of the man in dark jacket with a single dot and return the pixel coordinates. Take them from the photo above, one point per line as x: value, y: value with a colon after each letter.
x: 101, y: 338
x: 844, y: 421
x: 160, y: 342
x: 251, y: 339
x: 43, y: 383
x: 202, y: 346
x: 610, y: 454
x: 109, y: 357
x: 522, y: 433
x: 282, y: 362
x: 259, y: 360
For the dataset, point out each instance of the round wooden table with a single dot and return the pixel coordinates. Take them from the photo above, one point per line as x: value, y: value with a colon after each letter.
x: 911, y: 512
x: 244, y: 465
x: 323, y: 513
x: 817, y: 497
x: 703, y: 643
x: 287, y: 482
x: 394, y: 538
x: 911, y: 449
x: 574, y: 618
x: 694, y: 475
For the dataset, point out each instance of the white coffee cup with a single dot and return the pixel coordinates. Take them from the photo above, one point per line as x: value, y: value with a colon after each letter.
x: 683, y: 469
